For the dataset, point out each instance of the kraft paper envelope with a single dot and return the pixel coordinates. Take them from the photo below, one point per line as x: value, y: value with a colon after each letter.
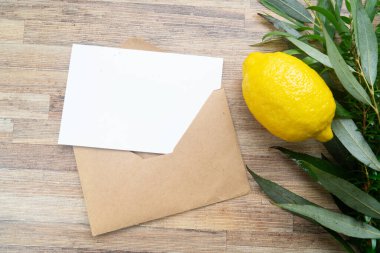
x: 123, y: 188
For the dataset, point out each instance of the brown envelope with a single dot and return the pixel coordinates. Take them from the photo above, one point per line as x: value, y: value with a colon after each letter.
x: 122, y: 188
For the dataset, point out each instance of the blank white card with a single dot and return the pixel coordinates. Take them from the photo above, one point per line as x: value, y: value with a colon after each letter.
x: 134, y: 100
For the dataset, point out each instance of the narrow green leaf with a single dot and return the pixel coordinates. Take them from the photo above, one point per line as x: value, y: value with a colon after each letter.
x: 339, y: 26
x: 348, y: 5
x: 281, y: 195
x: 292, y: 8
x: 336, y: 221
x: 325, y: 4
x: 341, y: 112
x: 346, y: 20
x: 346, y: 192
x: 311, y: 51
x: 292, y: 51
x: 338, y: 5
x: 271, y: 40
x: 370, y: 8
x: 347, y: 79
x: 318, y: 162
x: 277, y: 193
x: 340, y: 153
x: 279, y: 12
x: 312, y: 37
x: 281, y: 25
x: 335, y: 7
x: 353, y: 14
x: 349, y: 135
x: 366, y: 41
x: 304, y: 28
x: 373, y: 244
x: 272, y: 34
x: 339, y: 239
x: 326, y: 13
x: 309, y: 61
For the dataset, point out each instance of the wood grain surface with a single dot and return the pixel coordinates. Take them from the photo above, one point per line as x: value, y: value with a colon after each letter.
x: 41, y: 202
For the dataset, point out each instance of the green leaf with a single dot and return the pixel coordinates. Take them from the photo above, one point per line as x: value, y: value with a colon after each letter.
x: 348, y: 5
x: 341, y: 113
x: 336, y: 221
x: 373, y: 244
x: 272, y: 34
x: 340, y: 153
x: 325, y: 4
x: 281, y: 195
x: 338, y: 5
x: 348, y: 193
x: 346, y: 20
x: 309, y: 61
x: 326, y: 13
x: 370, y: 8
x: 304, y: 28
x: 349, y: 135
x: 277, y: 193
x: 312, y: 37
x: 339, y: 239
x: 366, y: 41
x: 292, y: 51
x: 338, y: 24
x: 271, y: 40
x: 324, y: 165
x: 281, y: 25
x: 292, y: 8
x: 269, y: 6
x: 311, y: 51
x: 341, y: 69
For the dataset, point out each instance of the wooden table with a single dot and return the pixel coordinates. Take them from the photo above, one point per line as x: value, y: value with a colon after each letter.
x: 41, y: 202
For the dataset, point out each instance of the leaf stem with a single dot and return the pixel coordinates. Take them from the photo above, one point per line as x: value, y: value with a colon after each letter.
x: 364, y: 123
x: 368, y: 182
x: 371, y: 91
x: 369, y: 87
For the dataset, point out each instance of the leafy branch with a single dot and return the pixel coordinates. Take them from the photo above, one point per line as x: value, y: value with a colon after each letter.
x: 344, y: 49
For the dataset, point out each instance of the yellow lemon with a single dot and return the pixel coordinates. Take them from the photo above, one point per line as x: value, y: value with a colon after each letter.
x: 288, y: 97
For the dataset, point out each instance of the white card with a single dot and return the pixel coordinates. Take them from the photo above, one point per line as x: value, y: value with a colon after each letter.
x: 134, y: 100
